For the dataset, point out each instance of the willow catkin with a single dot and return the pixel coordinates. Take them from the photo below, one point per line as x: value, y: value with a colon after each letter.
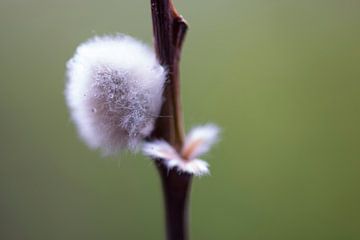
x: 114, y: 92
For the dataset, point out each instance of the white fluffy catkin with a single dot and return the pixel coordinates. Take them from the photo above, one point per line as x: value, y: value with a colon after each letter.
x: 114, y: 92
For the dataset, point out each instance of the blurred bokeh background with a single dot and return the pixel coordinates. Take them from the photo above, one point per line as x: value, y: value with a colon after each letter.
x: 282, y: 78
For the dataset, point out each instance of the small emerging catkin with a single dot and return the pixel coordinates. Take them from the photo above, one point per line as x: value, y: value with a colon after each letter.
x: 114, y: 92
x: 197, y: 142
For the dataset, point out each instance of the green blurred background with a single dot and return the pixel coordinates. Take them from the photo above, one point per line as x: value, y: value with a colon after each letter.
x: 282, y: 78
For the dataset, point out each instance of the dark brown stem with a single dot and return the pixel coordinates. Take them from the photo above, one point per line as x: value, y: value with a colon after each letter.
x: 169, y: 33
x: 176, y: 190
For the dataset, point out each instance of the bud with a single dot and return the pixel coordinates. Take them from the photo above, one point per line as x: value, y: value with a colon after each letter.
x: 114, y: 92
x: 198, y: 142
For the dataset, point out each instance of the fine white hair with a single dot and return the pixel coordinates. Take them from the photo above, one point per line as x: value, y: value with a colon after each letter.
x: 114, y: 92
x: 198, y: 142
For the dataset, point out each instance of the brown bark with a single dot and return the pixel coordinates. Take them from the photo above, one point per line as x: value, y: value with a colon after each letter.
x: 169, y: 30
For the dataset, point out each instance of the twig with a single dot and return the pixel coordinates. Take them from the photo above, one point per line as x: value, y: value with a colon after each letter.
x: 169, y: 30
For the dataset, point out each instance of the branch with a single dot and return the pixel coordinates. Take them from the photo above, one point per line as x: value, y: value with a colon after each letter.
x: 169, y: 29
x: 169, y: 33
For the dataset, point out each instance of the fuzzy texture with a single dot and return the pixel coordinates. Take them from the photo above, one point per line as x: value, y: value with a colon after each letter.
x: 114, y: 92
x: 197, y: 142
